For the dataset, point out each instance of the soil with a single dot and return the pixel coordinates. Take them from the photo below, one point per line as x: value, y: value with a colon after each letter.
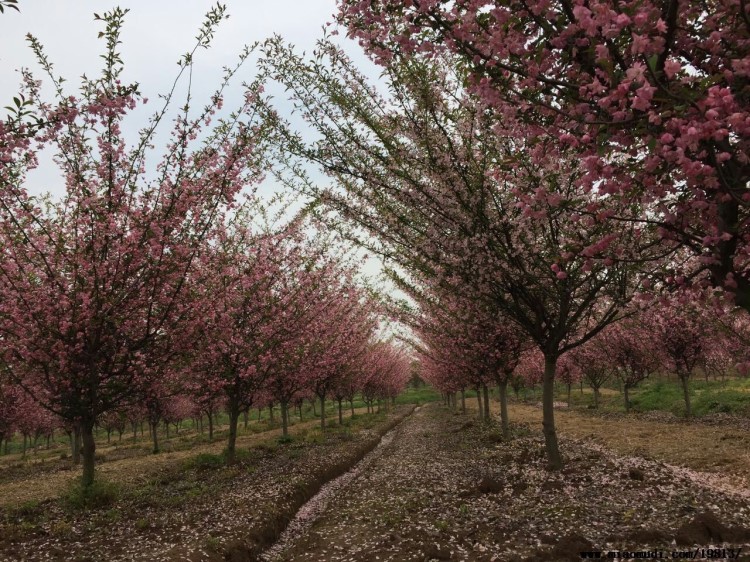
x: 452, y: 489
x: 188, y: 510
x: 441, y: 486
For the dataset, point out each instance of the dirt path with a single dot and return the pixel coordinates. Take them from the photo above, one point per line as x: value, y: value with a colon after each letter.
x: 128, y: 471
x: 447, y: 488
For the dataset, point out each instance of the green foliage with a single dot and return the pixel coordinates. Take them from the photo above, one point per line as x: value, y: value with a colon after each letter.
x: 730, y: 401
x: 98, y: 495
x: 208, y: 461
x: 418, y: 395
x: 659, y: 395
x: 26, y: 510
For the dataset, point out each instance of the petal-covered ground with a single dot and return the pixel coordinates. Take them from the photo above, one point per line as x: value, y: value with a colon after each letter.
x: 197, y: 509
x: 449, y: 488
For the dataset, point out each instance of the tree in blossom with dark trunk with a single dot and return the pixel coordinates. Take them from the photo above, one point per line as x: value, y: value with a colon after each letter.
x: 425, y: 180
x: 681, y: 331
x: 652, y: 97
x: 92, y: 283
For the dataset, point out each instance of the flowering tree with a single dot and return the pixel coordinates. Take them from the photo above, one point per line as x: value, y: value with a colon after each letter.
x: 633, y: 352
x: 680, y: 331
x: 10, y: 400
x: 594, y: 364
x: 92, y: 283
x: 651, y: 95
x: 430, y: 185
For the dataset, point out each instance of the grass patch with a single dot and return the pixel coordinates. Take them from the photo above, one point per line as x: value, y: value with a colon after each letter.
x: 207, y: 461
x: 729, y: 401
x: 99, y: 495
x: 420, y: 395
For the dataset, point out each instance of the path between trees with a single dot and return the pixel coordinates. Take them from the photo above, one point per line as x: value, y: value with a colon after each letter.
x: 448, y: 488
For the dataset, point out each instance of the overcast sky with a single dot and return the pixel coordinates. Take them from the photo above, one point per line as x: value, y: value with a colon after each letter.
x: 155, y: 35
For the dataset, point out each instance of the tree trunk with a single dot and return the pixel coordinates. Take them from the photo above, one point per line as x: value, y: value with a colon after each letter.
x: 315, y: 406
x: 234, y: 418
x: 625, y: 389
x: 686, y: 395
x: 23, y: 453
x: 135, y: 432
x: 299, y: 409
x: 479, y: 403
x: 548, y: 413
x: 89, y: 453
x: 323, y: 412
x: 486, y: 394
x: 270, y: 413
x: 155, y: 436
x: 246, y: 414
x: 109, y: 433
x: 463, y: 401
x: 351, y: 405
x: 76, y: 443
x: 570, y: 385
x: 210, y: 426
x: 503, y: 388
x: 341, y: 415
x: 596, y: 398
x: 284, y: 418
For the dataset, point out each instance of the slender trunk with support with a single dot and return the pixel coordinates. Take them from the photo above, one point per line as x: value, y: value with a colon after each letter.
x: 479, y: 403
x: 625, y: 389
x: 686, y: 395
x: 234, y: 418
x: 210, y: 426
x: 76, y: 444
x: 503, y: 389
x: 89, y: 452
x: 486, y: 395
x: 596, y: 397
x: 284, y: 418
x: 341, y: 415
x: 154, y: 435
x: 548, y: 413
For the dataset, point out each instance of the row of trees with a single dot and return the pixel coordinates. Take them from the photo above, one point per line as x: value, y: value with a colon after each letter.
x: 540, y: 165
x: 668, y: 337
x: 144, y: 283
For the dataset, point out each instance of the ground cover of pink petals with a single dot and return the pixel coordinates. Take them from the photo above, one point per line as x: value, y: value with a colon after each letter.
x: 191, y: 513
x: 449, y: 488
